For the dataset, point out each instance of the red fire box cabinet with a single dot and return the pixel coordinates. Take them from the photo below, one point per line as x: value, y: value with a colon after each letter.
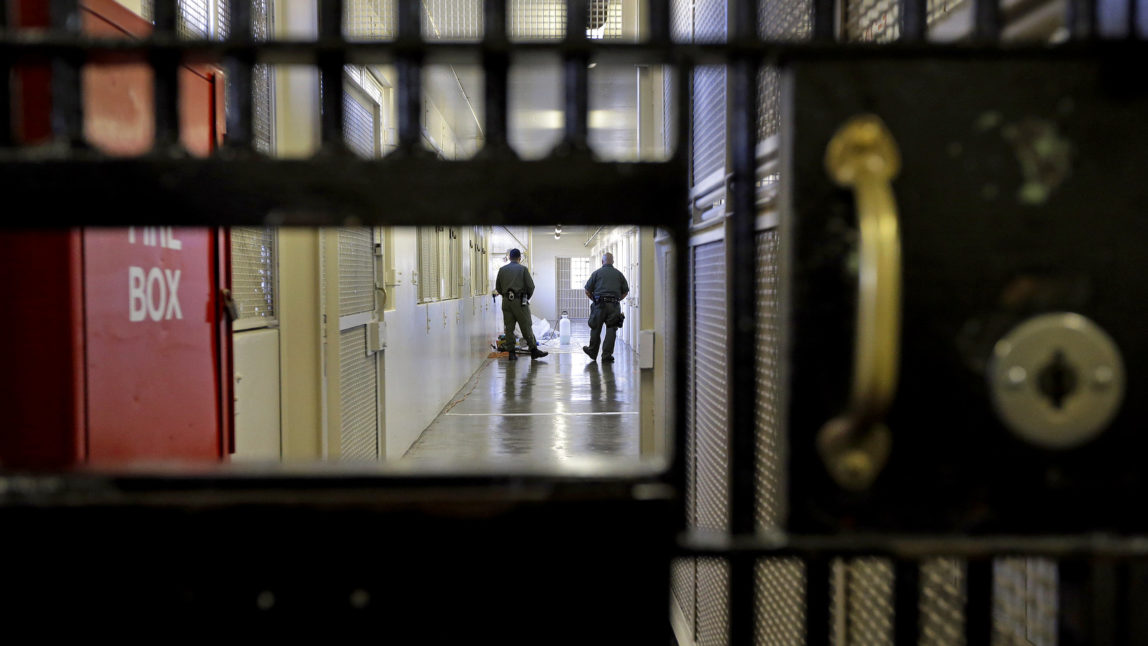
x: 116, y: 347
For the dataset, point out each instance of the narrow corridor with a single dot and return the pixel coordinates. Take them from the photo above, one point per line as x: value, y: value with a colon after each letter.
x: 552, y: 409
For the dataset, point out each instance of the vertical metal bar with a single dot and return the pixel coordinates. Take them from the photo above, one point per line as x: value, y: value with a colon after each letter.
x: 5, y: 85
x: 241, y: 108
x: 1105, y: 593
x: 742, y: 592
x: 409, y: 65
x: 817, y: 627
x: 914, y: 20
x: 659, y: 12
x: 1082, y: 18
x: 1072, y: 596
x: 987, y: 20
x: 1134, y: 19
x: 165, y: 64
x: 906, y: 602
x: 495, y: 69
x: 576, y: 74
x: 824, y: 20
x: 331, y: 62
x: 743, y: 298
x: 1137, y: 578
x: 680, y: 226
x: 67, y: 92
x: 979, y: 602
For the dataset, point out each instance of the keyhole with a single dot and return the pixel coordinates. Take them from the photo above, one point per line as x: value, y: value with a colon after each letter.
x: 1057, y: 380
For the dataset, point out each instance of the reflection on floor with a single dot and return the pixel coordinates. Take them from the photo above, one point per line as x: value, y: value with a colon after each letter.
x: 542, y: 410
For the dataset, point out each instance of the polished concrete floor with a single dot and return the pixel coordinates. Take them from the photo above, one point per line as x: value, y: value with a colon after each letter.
x: 540, y: 411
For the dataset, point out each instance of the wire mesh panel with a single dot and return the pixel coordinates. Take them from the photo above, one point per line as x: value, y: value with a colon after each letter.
x: 710, y: 357
x: 571, y: 275
x: 428, y: 264
x: 778, y: 20
x: 459, y: 20
x: 942, y: 602
x: 712, y: 602
x: 263, y: 80
x: 708, y: 129
x: 360, y: 124
x: 711, y: 432
x: 779, y: 619
x: 780, y: 607
x: 193, y: 17
x: 358, y: 396
x: 869, y: 602
x: 1024, y: 602
x: 370, y: 19
x: 880, y: 20
x: 685, y: 574
x: 356, y: 270
x: 262, y: 76
x: 253, y: 267
x: 546, y: 19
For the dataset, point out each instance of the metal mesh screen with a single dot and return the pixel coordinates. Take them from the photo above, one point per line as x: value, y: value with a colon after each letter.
x: 778, y: 20
x: 708, y: 130
x: 942, y: 602
x: 461, y: 20
x: 869, y: 602
x: 711, y: 428
x: 1024, y: 602
x: 770, y: 469
x: 358, y: 392
x: 369, y: 19
x: 253, y: 272
x: 711, y: 434
x: 879, y: 21
x: 193, y: 17
x: 779, y: 619
x: 360, y: 126
x: 685, y: 576
x: 356, y: 270
x: 428, y: 264
x: 571, y: 297
x: 780, y: 612
x: 262, y: 76
x: 712, y: 602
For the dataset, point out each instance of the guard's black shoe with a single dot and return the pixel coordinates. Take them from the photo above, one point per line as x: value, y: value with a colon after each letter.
x: 510, y: 355
x: 537, y: 354
x: 607, y: 359
x: 586, y: 349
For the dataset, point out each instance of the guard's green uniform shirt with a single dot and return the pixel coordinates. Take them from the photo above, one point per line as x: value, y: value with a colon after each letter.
x: 514, y: 277
x: 607, y: 281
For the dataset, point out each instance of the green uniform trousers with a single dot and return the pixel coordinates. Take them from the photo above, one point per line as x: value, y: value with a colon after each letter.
x: 515, y: 312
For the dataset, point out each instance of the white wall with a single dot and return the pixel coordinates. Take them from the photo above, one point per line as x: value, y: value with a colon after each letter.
x: 546, y: 249
x: 135, y: 5
x: 432, y: 349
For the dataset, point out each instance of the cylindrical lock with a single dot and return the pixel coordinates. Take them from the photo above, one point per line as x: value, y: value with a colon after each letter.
x: 1057, y: 380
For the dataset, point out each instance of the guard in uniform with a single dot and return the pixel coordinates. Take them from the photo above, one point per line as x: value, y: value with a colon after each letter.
x: 606, y: 287
x: 516, y: 287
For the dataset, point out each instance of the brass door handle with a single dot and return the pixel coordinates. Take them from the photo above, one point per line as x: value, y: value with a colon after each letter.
x: 855, y: 444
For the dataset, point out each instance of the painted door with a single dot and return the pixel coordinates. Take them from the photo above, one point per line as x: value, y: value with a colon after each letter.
x: 156, y: 353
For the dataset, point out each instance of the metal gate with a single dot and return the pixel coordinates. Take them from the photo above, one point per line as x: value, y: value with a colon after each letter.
x: 858, y: 587
x: 570, y: 292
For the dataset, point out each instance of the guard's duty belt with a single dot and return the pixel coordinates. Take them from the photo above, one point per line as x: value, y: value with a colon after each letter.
x: 607, y: 299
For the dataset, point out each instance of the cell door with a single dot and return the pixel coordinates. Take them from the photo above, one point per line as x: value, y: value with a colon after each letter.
x: 352, y: 342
